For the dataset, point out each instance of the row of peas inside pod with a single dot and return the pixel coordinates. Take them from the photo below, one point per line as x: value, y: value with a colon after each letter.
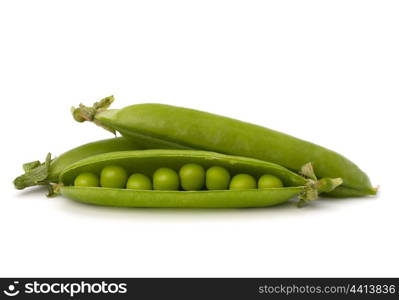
x: 159, y: 178
x: 190, y: 177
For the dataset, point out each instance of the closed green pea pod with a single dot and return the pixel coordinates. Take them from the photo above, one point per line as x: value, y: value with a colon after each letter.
x: 148, y: 161
x: 182, y: 128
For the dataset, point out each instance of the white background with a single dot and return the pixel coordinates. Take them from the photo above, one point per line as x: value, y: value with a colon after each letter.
x: 325, y: 71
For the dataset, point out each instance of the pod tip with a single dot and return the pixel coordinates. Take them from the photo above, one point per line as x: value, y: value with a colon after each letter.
x: 374, y: 190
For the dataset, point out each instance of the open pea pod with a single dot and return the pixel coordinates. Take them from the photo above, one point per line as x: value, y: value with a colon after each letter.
x: 181, y: 128
x: 37, y: 173
x: 147, y: 161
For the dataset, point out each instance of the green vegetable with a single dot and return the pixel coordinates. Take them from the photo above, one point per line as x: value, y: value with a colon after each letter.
x: 217, y: 178
x: 162, y: 164
x: 242, y: 182
x: 192, y: 177
x: 269, y: 181
x: 138, y: 182
x: 37, y: 173
x: 87, y: 180
x: 113, y: 177
x: 180, y: 199
x: 166, y: 179
x: 176, y: 127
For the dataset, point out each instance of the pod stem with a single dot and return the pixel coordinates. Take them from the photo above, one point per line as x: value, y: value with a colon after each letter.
x: 36, y: 173
x: 87, y: 113
x: 315, y: 187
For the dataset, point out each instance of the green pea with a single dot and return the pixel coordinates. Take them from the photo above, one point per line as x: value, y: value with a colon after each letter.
x: 192, y: 177
x: 165, y: 179
x: 87, y: 180
x: 138, y: 181
x: 113, y: 177
x: 269, y: 181
x: 217, y: 178
x: 242, y: 182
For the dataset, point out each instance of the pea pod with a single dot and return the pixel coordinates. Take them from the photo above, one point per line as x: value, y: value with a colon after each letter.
x: 147, y: 161
x: 37, y: 173
x: 182, y: 128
